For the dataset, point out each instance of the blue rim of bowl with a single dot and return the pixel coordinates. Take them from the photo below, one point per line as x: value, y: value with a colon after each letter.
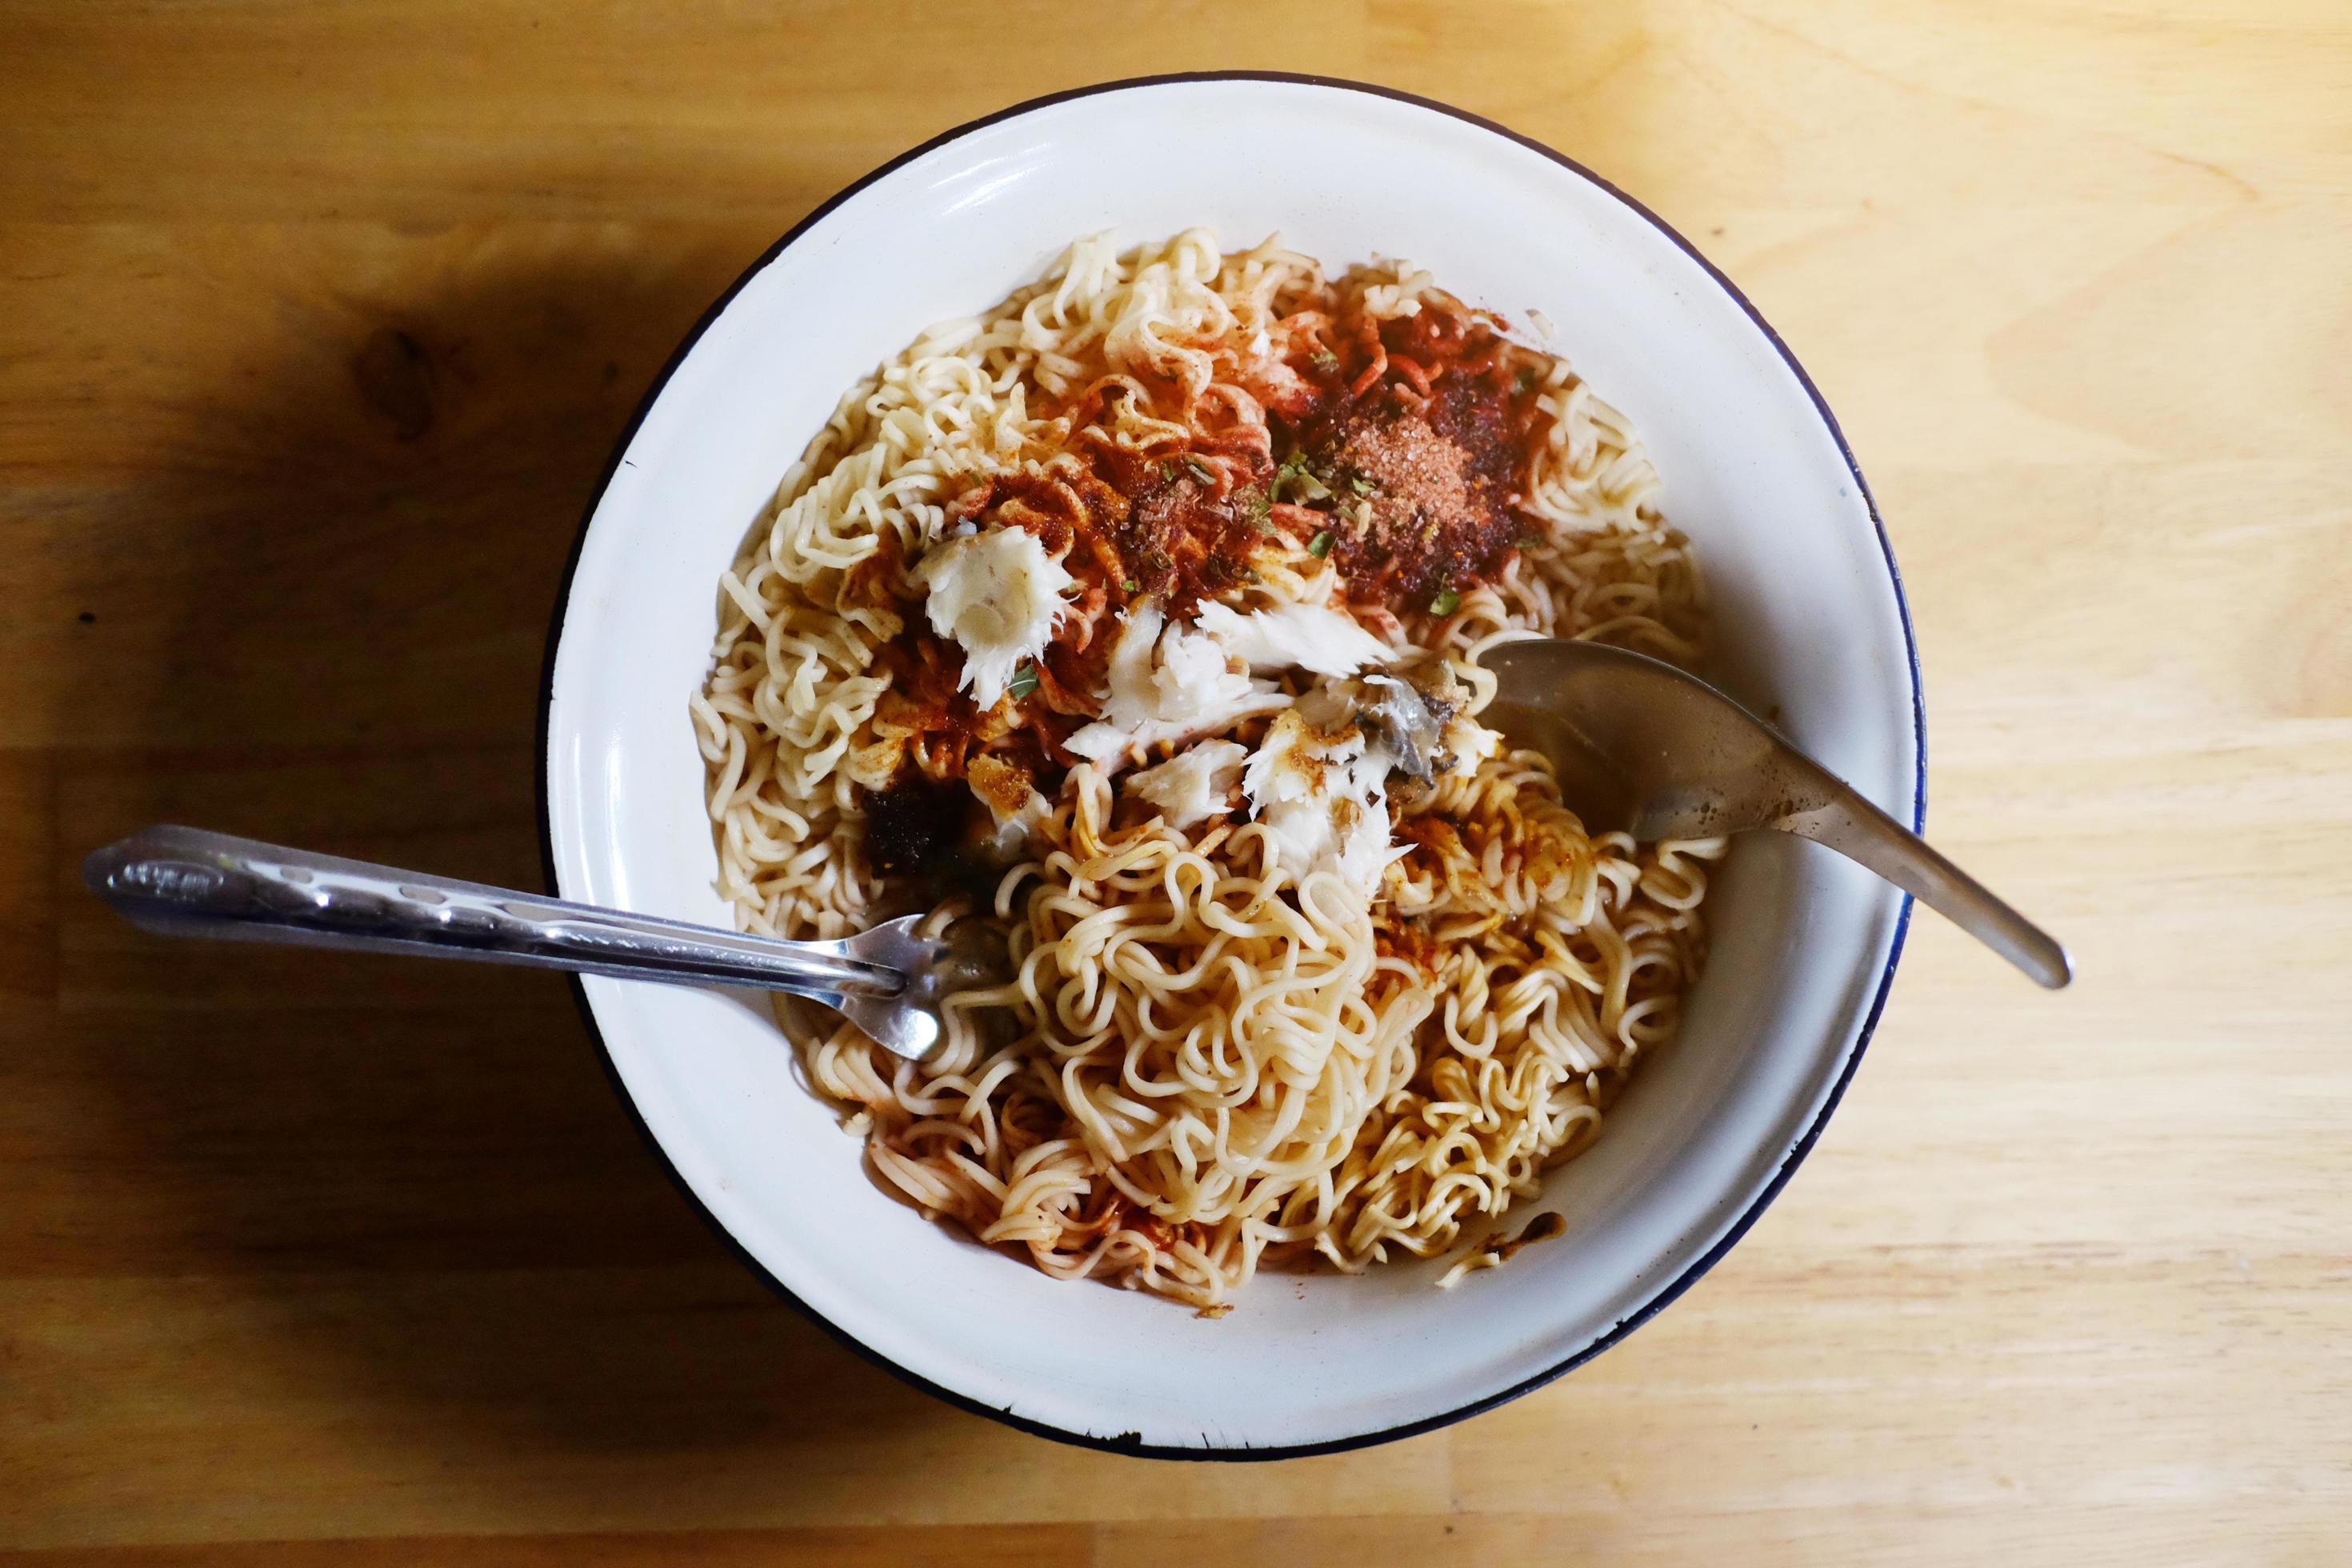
x: 1132, y: 1443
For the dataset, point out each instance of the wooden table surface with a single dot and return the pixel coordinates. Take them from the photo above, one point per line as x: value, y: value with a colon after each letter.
x: 315, y: 326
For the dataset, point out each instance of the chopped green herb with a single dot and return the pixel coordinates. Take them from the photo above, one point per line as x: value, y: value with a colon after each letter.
x: 1295, y: 482
x: 1362, y: 486
x: 1261, y: 510
x: 1528, y: 539
x: 1128, y: 587
x: 1324, y: 360
x: 1320, y: 545
x: 1023, y: 682
x: 1201, y: 471
x: 1287, y: 473
x: 1445, y: 604
x: 1525, y: 382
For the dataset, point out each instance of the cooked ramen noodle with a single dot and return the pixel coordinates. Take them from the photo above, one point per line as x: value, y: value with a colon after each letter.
x: 1135, y: 620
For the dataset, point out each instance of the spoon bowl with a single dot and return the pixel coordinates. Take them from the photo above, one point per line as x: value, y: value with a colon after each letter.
x: 1643, y: 746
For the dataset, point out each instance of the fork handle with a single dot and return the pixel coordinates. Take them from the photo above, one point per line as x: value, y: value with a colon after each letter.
x: 183, y: 881
x: 1867, y: 835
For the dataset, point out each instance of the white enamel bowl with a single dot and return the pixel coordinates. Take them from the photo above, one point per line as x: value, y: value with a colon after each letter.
x: 1811, y: 619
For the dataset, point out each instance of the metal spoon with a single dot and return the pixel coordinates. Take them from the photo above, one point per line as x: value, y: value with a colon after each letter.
x: 183, y: 881
x: 1642, y: 746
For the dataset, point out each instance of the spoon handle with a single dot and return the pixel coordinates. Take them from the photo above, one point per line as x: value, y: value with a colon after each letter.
x: 183, y: 881
x: 1861, y: 832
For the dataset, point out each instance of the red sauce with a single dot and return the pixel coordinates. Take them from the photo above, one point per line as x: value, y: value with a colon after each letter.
x: 1419, y: 427
x: 924, y: 673
x: 944, y: 727
x: 1186, y: 520
x: 1416, y: 425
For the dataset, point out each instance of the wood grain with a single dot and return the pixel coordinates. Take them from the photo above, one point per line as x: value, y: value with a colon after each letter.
x: 315, y: 325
